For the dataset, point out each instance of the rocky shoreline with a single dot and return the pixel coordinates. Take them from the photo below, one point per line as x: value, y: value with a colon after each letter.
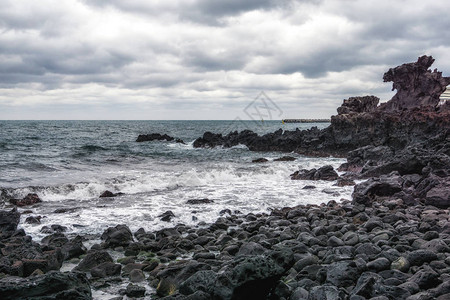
x: 391, y: 241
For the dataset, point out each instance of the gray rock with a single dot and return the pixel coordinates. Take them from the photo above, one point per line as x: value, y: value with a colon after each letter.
x: 250, y: 248
x: 426, y: 278
x: 342, y: 274
x: 137, y: 275
x: 401, y: 264
x: 419, y: 257
x: 106, y: 269
x: 325, y: 292
x: 350, y: 238
x: 93, y: 259
x: 135, y: 291
x: 379, y: 264
x: 53, y: 285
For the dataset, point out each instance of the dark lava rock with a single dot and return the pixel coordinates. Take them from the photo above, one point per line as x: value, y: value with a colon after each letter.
x: 358, y: 105
x: 285, y: 158
x: 109, y: 194
x: 119, y: 235
x: 325, y: 292
x: 8, y: 222
x: 308, y: 187
x: 323, y: 173
x: 33, y: 220
x: 426, y: 278
x: 135, y: 291
x: 73, y: 248
x: 419, y: 257
x: 344, y: 182
x: 342, y: 273
x: 53, y: 285
x: 92, y: 260
x: 29, y: 199
x: 252, y: 277
x: 367, y: 191
x: 371, y: 285
x: 199, y: 201
x: 167, y: 216
x: 439, y: 195
x: 106, y: 269
x: 415, y: 85
x: 260, y: 160
x: 153, y: 137
x: 201, y: 281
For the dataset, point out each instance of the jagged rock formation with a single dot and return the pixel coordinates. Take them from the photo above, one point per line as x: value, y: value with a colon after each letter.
x: 410, y: 116
x: 416, y: 85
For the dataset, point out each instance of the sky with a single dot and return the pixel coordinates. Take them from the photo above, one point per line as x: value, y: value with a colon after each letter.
x: 207, y: 59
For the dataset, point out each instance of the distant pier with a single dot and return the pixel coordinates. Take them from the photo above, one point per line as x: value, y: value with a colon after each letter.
x: 306, y: 120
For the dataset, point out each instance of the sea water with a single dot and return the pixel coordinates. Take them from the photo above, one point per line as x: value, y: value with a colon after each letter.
x: 70, y: 163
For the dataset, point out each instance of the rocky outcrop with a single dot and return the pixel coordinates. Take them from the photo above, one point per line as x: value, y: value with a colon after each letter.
x: 324, y: 173
x: 29, y: 199
x: 157, y: 137
x: 53, y: 285
x: 409, y: 117
x: 416, y: 85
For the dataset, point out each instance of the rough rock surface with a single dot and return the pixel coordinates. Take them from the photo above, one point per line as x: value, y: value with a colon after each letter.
x: 53, y: 285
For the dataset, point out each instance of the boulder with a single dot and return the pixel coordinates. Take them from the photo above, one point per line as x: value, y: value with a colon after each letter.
x: 119, y: 235
x: 153, y: 137
x: 53, y: 285
x: 93, y: 259
x: 323, y: 173
x: 8, y: 222
x: 29, y: 199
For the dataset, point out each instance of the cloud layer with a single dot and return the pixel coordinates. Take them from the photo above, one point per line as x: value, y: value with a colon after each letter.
x: 206, y: 59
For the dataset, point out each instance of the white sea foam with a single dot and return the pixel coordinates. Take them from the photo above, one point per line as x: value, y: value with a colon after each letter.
x: 243, y: 186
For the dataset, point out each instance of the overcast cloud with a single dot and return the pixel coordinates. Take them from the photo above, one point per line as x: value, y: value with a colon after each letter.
x: 206, y: 59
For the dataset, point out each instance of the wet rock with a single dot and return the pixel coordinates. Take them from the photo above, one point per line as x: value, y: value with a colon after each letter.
x: 73, y: 248
x: 29, y: 199
x: 135, y: 291
x: 109, y: 194
x: 285, y: 158
x: 53, y: 285
x: 167, y: 216
x: 137, y: 276
x: 93, y: 259
x: 153, y: 137
x: 106, y: 269
x: 200, y: 201
x: 342, y: 273
x: 341, y: 182
x: 260, y: 160
x: 323, y: 173
x: 33, y: 220
x: 8, y: 222
x: 119, y: 235
x: 252, y: 277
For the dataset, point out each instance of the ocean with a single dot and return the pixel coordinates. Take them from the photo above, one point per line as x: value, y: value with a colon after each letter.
x: 70, y: 163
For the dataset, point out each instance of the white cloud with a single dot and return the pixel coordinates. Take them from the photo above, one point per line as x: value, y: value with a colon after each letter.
x: 157, y: 59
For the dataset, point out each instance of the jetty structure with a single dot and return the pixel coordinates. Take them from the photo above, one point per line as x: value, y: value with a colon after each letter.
x: 306, y: 120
